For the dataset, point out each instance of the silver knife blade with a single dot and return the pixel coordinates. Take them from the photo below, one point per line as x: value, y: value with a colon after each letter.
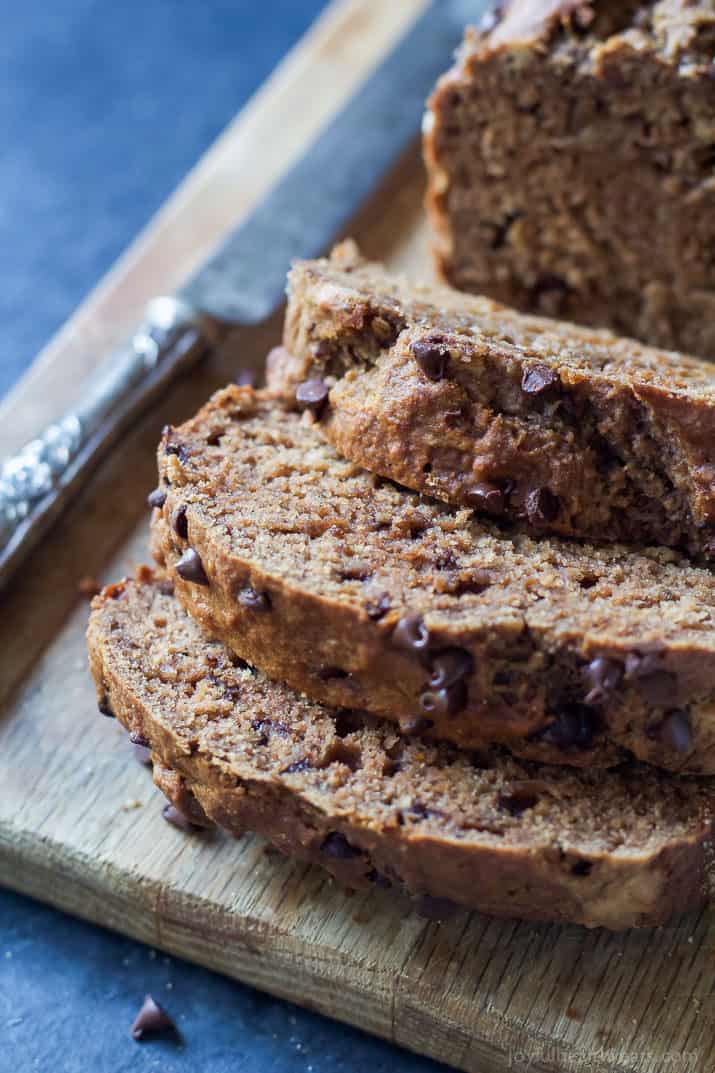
x: 241, y: 284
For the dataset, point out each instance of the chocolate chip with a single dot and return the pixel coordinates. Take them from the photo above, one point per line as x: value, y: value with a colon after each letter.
x: 552, y: 287
x: 180, y: 523
x: 190, y: 568
x: 674, y: 731
x: 659, y: 688
x: 138, y: 739
x: 540, y: 380
x: 438, y: 909
x: 312, y: 395
x: 166, y: 587
x: 603, y: 677
x: 582, y: 868
x: 178, y: 449
x: 177, y: 819
x: 331, y: 674
x: 574, y: 727
x: 641, y: 664
x: 156, y: 499
x: 412, y: 634
x: 338, y: 847
x: 254, y: 601
x: 444, y: 702
x: 542, y: 506
x: 378, y: 608
x: 517, y: 801
x: 431, y: 355
x: 151, y: 1020
x: 450, y: 666
x: 105, y: 708
x: 487, y: 497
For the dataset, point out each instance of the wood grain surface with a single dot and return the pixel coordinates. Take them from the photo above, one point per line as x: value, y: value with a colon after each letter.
x: 80, y: 821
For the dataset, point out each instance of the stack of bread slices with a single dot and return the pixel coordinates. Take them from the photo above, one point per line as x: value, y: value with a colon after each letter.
x: 435, y: 608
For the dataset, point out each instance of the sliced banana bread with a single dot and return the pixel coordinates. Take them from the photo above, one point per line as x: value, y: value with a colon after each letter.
x: 564, y: 429
x: 618, y: 849
x: 366, y: 596
x: 571, y: 154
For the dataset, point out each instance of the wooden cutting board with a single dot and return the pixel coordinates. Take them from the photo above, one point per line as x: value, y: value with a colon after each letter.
x: 80, y: 822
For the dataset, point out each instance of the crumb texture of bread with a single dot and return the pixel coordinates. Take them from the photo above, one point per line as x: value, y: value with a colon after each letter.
x: 571, y: 165
x: 343, y: 790
x: 559, y: 428
x: 364, y: 595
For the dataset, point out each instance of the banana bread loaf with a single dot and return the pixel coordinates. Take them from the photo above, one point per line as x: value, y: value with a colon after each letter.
x: 617, y: 849
x: 364, y: 595
x: 571, y: 154
x: 564, y: 429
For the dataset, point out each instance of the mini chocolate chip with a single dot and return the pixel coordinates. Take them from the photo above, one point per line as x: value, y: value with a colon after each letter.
x: 177, y: 819
x: 190, y: 568
x: 329, y: 674
x: 180, y: 523
x: 151, y: 1020
x: 312, y: 395
x: 575, y: 726
x: 437, y: 909
x: 156, y: 499
x: 540, y: 380
x: 450, y: 666
x: 444, y: 702
x: 674, y: 731
x: 166, y: 587
x: 377, y: 609
x: 105, y: 708
x: 542, y: 506
x: 582, y: 868
x: 641, y: 664
x: 138, y: 739
x: 431, y: 356
x: 253, y: 600
x: 412, y: 634
x: 487, y: 497
x: 517, y: 801
x: 415, y: 724
x: 338, y: 847
x: 604, y: 677
x: 177, y: 449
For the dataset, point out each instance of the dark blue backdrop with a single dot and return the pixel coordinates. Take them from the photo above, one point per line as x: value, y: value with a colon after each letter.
x: 103, y: 108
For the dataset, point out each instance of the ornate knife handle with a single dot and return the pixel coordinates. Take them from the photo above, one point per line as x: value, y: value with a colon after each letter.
x: 34, y: 482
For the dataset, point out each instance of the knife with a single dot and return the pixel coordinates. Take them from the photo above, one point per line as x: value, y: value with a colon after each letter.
x: 241, y: 284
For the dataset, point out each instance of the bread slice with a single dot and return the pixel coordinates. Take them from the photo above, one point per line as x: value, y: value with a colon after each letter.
x: 564, y: 429
x: 366, y: 596
x: 617, y: 849
x: 571, y: 163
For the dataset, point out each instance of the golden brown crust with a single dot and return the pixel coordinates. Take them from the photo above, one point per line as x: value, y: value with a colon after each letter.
x: 363, y: 595
x: 479, y: 406
x: 570, y: 166
x: 613, y: 849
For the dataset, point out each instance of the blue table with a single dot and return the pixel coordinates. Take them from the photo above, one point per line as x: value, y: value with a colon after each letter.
x: 103, y: 108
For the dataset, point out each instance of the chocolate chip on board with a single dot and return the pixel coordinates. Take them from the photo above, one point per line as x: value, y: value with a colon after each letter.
x: 190, y: 568
x: 178, y: 819
x: 152, y: 1020
x: 312, y: 395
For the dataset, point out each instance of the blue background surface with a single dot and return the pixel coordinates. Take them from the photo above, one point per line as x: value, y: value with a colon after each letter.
x: 103, y: 108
